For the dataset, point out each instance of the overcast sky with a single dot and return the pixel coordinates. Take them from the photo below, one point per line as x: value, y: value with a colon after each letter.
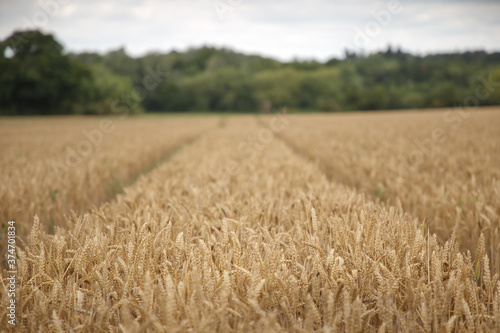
x: 283, y: 29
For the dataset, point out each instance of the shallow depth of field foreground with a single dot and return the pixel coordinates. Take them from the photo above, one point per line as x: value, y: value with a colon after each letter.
x: 296, y: 223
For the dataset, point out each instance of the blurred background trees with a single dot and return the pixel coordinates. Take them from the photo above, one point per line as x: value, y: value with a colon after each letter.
x: 37, y: 77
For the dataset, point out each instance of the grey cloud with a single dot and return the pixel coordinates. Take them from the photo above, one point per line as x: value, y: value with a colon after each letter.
x: 282, y: 29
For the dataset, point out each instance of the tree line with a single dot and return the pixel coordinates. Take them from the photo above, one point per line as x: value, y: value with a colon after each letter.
x: 38, y: 77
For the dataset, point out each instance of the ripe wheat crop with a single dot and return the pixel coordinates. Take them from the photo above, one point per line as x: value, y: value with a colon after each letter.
x: 444, y: 172
x: 238, y: 232
x: 52, y: 166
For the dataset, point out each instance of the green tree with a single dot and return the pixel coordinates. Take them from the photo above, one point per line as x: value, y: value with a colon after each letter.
x: 103, y: 91
x: 225, y: 90
x: 38, y: 78
x: 280, y: 87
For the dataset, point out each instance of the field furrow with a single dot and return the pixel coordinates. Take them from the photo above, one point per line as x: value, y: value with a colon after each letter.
x: 238, y: 233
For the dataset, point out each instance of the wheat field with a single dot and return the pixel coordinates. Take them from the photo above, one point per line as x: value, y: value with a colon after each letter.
x: 269, y: 223
x: 50, y: 167
x: 452, y: 181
